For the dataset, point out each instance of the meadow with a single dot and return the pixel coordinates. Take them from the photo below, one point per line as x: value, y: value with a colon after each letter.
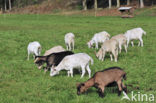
x: 22, y: 82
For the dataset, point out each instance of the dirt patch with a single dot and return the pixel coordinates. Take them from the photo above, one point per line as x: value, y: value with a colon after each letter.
x: 109, y: 12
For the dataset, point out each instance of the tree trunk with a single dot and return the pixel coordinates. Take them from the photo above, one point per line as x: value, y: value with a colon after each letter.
x: 5, y: 6
x: 152, y: 3
x: 110, y: 3
x: 9, y: 4
x: 128, y: 2
x: 141, y: 4
x: 118, y: 3
x: 1, y: 11
x: 84, y: 4
x: 95, y: 4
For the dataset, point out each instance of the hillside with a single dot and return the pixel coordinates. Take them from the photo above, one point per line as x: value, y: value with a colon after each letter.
x: 70, y: 7
x: 57, y: 9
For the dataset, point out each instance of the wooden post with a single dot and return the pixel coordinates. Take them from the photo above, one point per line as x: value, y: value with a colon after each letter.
x: 84, y: 4
x: 110, y: 3
x: 118, y: 3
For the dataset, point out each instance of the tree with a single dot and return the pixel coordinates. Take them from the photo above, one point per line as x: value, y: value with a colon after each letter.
x: 9, y: 4
x: 95, y: 4
x: 141, y: 4
x: 5, y: 5
x: 110, y: 3
x: 84, y: 4
x: 118, y: 3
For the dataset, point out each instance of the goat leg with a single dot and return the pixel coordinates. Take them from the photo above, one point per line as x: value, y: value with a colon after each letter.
x: 101, y: 94
x: 119, y: 93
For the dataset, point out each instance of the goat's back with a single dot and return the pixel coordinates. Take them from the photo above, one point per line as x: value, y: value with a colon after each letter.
x: 69, y: 37
x: 34, y: 47
x: 120, y: 38
x: 56, y: 58
x: 54, y: 50
x: 109, y: 45
x: 101, y: 36
x: 76, y: 59
x: 109, y: 75
x: 135, y: 33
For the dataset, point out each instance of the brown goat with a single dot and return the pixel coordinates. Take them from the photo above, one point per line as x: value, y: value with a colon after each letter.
x: 102, y: 79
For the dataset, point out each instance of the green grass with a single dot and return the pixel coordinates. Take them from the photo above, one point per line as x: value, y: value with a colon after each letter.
x: 22, y: 82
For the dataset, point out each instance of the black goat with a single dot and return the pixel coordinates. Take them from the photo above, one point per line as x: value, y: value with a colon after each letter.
x: 51, y: 60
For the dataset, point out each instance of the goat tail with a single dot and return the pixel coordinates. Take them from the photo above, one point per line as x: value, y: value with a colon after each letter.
x: 91, y: 60
x: 124, y: 77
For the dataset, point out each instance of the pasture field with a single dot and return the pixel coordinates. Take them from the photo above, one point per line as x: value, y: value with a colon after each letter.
x: 22, y: 82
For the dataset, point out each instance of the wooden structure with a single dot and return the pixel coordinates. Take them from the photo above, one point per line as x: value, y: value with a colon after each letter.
x: 126, y: 12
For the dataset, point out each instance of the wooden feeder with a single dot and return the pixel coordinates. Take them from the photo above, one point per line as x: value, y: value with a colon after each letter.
x: 126, y: 12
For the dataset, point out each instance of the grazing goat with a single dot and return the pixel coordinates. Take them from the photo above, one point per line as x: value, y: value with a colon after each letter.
x: 69, y: 41
x: 122, y: 41
x: 55, y: 49
x: 102, y: 79
x: 79, y: 60
x: 98, y: 38
x: 135, y: 34
x: 34, y: 48
x: 51, y: 60
x: 111, y: 46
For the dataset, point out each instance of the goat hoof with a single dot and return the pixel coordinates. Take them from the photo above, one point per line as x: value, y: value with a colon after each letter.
x: 125, y: 90
x: 119, y: 93
x: 101, y: 95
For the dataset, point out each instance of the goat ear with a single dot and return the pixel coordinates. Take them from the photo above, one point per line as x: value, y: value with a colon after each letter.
x: 77, y: 84
x: 35, y: 56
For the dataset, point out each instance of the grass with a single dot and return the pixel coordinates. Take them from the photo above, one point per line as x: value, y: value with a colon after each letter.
x: 22, y: 82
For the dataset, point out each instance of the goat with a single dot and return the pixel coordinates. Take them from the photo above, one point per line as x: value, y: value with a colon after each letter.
x: 102, y: 79
x: 69, y: 40
x: 34, y: 48
x: 110, y: 46
x: 98, y: 38
x: 51, y: 60
x: 135, y: 34
x: 79, y: 60
x: 122, y: 41
x: 55, y: 49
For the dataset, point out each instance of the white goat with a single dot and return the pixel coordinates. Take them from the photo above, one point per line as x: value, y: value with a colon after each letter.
x: 111, y: 46
x: 135, y: 34
x: 54, y: 50
x: 122, y: 41
x: 79, y: 60
x: 34, y: 48
x: 69, y: 40
x: 98, y: 38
